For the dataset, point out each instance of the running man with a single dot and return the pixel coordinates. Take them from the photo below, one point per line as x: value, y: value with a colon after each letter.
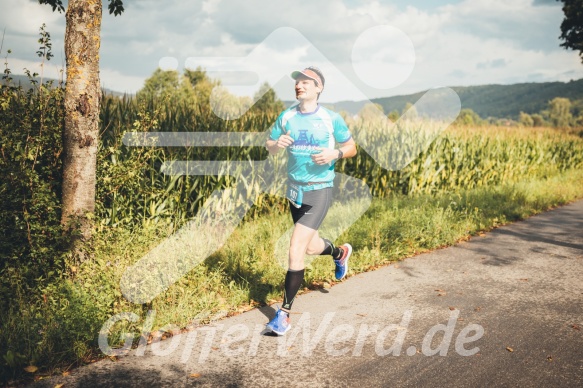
x: 309, y: 132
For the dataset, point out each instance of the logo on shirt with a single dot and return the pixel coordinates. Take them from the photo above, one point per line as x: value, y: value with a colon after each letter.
x: 303, y: 138
x: 305, y: 142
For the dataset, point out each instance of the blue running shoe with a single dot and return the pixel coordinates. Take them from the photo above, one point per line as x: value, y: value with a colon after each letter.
x: 280, y: 323
x: 342, y: 263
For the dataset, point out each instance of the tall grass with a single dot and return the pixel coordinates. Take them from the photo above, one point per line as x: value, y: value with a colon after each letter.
x: 132, y: 190
x: 465, y: 157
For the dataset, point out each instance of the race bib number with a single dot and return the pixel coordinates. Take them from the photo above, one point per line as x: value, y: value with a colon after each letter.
x: 295, y: 194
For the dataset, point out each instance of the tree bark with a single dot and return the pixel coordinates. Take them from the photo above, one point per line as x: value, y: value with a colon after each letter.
x: 81, y: 134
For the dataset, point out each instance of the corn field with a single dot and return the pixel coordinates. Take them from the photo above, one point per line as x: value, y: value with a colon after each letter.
x: 132, y: 189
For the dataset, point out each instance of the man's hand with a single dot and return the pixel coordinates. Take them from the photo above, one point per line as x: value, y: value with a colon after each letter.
x: 274, y: 146
x: 325, y: 156
x: 285, y: 140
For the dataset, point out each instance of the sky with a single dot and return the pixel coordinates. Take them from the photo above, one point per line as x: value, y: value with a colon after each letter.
x: 366, y: 49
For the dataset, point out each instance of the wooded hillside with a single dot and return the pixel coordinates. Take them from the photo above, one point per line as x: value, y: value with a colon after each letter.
x: 501, y: 101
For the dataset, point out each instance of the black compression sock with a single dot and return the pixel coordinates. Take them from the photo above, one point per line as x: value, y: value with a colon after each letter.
x: 331, y: 250
x: 293, y: 281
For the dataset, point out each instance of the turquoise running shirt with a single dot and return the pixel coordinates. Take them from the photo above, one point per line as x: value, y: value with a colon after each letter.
x: 321, y: 128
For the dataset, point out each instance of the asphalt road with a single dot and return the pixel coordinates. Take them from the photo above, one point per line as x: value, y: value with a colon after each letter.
x: 501, y: 310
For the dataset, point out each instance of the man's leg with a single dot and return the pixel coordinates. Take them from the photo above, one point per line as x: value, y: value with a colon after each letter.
x: 321, y: 246
x: 307, y: 220
x: 301, y: 237
x: 341, y: 254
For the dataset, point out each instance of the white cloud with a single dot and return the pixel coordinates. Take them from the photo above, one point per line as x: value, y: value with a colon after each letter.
x: 456, y: 42
x: 114, y: 80
x: 24, y: 17
x: 211, y: 6
x: 20, y: 21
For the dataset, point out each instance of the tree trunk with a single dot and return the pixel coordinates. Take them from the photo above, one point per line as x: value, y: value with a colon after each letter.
x: 81, y: 136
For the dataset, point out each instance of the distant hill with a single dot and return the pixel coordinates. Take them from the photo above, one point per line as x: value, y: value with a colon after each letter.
x: 23, y: 81
x: 501, y: 101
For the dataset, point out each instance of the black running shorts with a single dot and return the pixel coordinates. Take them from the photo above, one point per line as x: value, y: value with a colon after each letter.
x: 314, y: 208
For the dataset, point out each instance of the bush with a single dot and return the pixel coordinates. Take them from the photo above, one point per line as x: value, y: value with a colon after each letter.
x: 31, y: 246
x: 526, y: 120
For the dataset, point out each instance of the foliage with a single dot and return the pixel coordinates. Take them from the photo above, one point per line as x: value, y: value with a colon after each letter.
x: 30, y: 166
x: 538, y: 120
x: 30, y: 175
x: 559, y: 112
x: 266, y: 100
x: 526, y: 120
x: 468, y: 117
x: 131, y: 189
x: 572, y: 25
x: 31, y: 247
x: 370, y: 111
x: 394, y: 115
x: 115, y: 6
x: 410, y: 111
x: 198, y: 92
x: 197, y: 86
x: 462, y: 158
x: 161, y: 83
